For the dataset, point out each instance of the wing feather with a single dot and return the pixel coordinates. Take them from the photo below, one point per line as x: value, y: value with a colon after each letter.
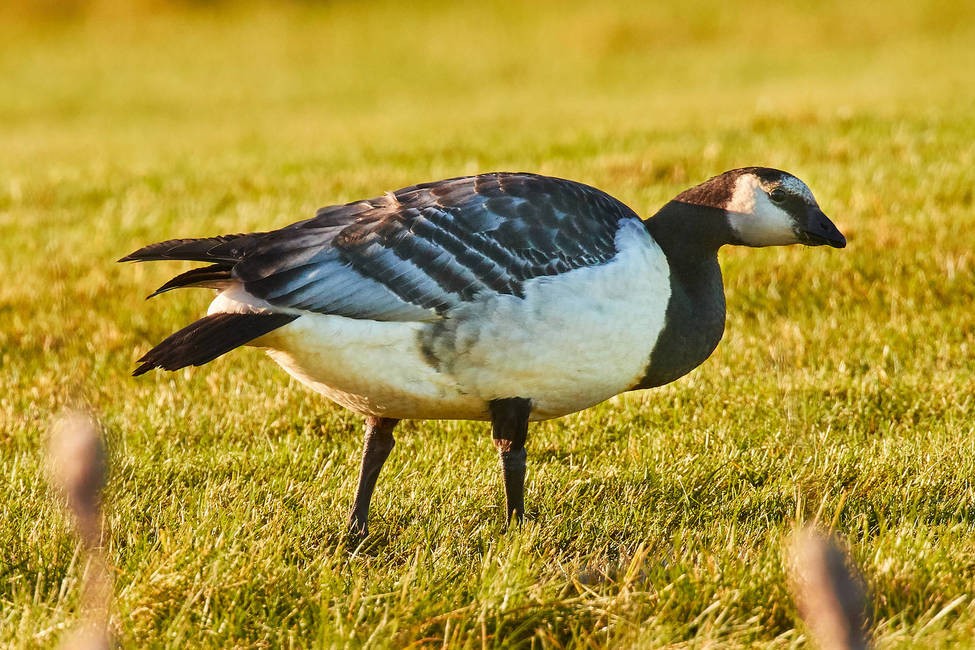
x: 417, y: 253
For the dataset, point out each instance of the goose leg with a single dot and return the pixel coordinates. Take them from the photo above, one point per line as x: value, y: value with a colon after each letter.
x: 378, y: 442
x: 509, y: 428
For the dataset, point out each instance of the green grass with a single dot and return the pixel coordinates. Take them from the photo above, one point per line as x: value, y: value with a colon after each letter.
x: 843, y: 391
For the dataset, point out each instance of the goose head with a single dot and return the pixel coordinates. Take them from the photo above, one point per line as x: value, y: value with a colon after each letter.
x: 766, y: 207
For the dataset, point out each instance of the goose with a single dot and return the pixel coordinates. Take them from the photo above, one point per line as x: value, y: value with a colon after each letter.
x: 501, y: 297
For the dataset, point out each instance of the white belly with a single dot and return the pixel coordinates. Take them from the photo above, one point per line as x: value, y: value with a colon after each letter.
x: 572, y: 341
x: 370, y: 367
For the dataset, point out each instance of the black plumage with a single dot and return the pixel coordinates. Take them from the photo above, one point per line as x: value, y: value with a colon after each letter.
x: 206, y: 339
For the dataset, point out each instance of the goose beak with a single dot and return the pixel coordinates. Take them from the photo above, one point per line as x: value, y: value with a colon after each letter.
x: 819, y: 230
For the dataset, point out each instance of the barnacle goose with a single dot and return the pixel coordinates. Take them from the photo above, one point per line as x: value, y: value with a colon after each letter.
x: 507, y: 297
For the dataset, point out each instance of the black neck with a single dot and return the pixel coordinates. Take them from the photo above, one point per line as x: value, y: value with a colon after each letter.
x: 695, y: 315
x: 687, y: 231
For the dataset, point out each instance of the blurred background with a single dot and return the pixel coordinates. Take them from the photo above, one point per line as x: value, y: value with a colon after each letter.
x: 468, y: 86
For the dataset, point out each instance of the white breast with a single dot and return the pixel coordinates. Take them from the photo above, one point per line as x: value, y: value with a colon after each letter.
x: 572, y: 341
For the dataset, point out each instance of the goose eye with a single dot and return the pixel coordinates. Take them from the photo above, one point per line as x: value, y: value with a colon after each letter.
x: 777, y: 195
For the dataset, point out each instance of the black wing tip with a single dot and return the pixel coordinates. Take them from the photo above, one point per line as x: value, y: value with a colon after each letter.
x: 215, y: 276
x: 150, y: 253
x: 208, y: 338
x: 162, y: 360
x: 222, y: 248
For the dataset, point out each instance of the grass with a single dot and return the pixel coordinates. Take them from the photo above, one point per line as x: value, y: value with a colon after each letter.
x: 842, y: 392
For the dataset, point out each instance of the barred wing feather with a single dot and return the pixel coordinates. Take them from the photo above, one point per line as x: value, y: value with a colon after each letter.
x: 416, y: 253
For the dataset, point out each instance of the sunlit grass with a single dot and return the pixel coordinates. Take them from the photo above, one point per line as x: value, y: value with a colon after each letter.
x: 843, y: 390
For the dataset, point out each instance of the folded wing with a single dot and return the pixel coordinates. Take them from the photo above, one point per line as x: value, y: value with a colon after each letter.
x: 415, y: 253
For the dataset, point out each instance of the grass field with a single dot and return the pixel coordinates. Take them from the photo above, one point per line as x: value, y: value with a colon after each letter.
x: 843, y: 392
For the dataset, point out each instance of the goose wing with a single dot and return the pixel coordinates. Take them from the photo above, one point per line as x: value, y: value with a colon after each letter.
x: 415, y: 253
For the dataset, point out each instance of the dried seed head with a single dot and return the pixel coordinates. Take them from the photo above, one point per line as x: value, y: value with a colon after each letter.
x: 78, y: 468
x: 828, y: 592
x: 77, y: 465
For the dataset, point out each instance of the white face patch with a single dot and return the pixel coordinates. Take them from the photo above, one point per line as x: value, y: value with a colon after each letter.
x: 758, y: 221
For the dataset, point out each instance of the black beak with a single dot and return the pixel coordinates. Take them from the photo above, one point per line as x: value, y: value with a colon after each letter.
x: 819, y: 230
